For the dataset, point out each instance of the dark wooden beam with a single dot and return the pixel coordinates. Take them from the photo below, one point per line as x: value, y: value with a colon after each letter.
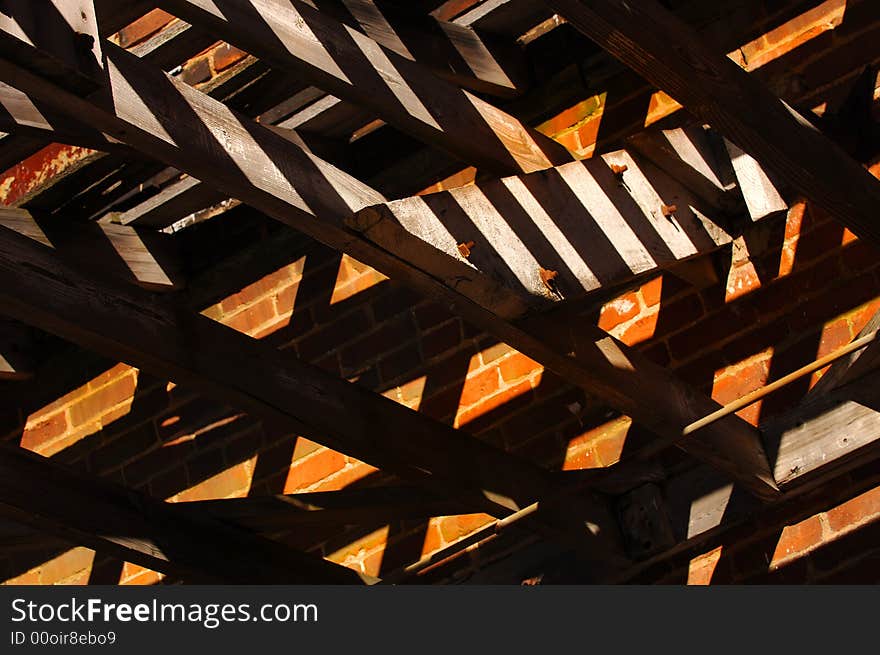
x: 667, y: 52
x: 175, y: 123
x: 17, y: 357
x: 148, y: 532
x: 343, y: 61
x: 454, y: 52
x: 368, y: 506
x: 142, y: 256
x: 131, y: 325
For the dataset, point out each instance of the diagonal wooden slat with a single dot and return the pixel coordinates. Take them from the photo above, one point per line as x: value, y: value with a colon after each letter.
x: 454, y: 52
x: 145, y: 531
x: 664, y: 50
x: 179, y: 125
x: 158, y: 335
x: 141, y: 256
x: 343, y: 61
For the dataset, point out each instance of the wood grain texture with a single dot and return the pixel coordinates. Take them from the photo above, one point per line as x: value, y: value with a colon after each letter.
x: 719, y: 92
x: 145, y: 531
x: 184, y: 128
x: 343, y: 61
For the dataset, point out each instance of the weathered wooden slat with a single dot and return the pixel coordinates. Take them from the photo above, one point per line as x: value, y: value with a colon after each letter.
x: 141, y: 256
x: 294, y: 36
x: 719, y: 92
x: 824, y: 430
x: 454, y: 52
x: 139, y: 529
x: 591, y: 226
x: 181, y: 126
x: 46, y: 26
x: 761, y: 195
x: 132, y: 325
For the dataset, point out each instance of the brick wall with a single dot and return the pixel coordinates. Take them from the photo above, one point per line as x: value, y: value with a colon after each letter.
x: 790, y: 291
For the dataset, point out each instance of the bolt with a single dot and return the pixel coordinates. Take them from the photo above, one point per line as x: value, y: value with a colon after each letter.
x: 619, y: 170
x: 465, y: 249
x: 549, y: 279
x: 668, y: 210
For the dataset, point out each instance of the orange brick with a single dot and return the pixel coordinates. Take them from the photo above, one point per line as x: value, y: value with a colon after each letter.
x: 486, y: 405
x: 518, y: 366
x: 226, y: 483
x: 855, y: 511
x: 306, y: 472
x: 225, y: 56
x: 701, y: 568
x: 652, y: 291
x: 143, y: 28
x: 36, y: 434
x: 834, y: 335
x: 797, y: 539
x: 454, y: 528
x: 642, y: 330
x: 100, y: 400
x: 348, y: 476
x: 740, y: 381
x: 618, y: 311
x: 478, y: 387
x: 251, y: 318
x: 609, y: 449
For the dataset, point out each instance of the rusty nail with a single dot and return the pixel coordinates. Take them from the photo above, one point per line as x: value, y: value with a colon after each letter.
x: 465, y: 249
x: 668, y: 210
x: 548, y: 277
x: 619, y: 170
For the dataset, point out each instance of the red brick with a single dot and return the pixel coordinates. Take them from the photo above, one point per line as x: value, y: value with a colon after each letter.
x: 740, y: 381
x: 797, y: 539
x: 225, y: 55
x: 855, y: 511
x: 618, y: 311
x: 42, y: 432
x: 508, y: 400
x: 518, y: 366
x: 249, y: 319
x: 642, y: 330
x: 652, y: 291
x: 306, y: 472
x: 143, y: 27
x: 478, y: 387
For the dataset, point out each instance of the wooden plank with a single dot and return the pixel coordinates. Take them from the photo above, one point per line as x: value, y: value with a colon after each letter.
x: 16, y: 351
x: 593, y: 227
x: 719, y: 92
x: 21, y: 116
x: 179, y: 125
x: 145, y: 531
x: 44, y: 29
x: 761, y: 195
x: 454, y: 52
x: 343, y: 61
x: 825, y: 430
x: 131, y: 325
x: 141, y: 256
x: 369, y: 506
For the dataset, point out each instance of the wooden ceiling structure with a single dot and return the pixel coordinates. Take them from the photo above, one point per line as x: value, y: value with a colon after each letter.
x: 341, y: 113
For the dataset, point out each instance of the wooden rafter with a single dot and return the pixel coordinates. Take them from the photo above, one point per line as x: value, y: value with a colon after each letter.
x: 718, y: 91
x: 167, y: 340
x: 148, y: 532
x: 343, y: 61
x: 175, y: 123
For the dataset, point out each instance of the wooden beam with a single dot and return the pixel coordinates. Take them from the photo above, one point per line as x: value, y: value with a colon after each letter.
x: 825, y: 430
x: 131, y: 325
x: 184, y: 128
x: 37, y: 36
x: 368, y: 506
x: 148, y: 532
x: 665, y: 51
x: 142, y: 256
x: 343, y: 61
x: 16, y: 351
x: 454, y: 52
